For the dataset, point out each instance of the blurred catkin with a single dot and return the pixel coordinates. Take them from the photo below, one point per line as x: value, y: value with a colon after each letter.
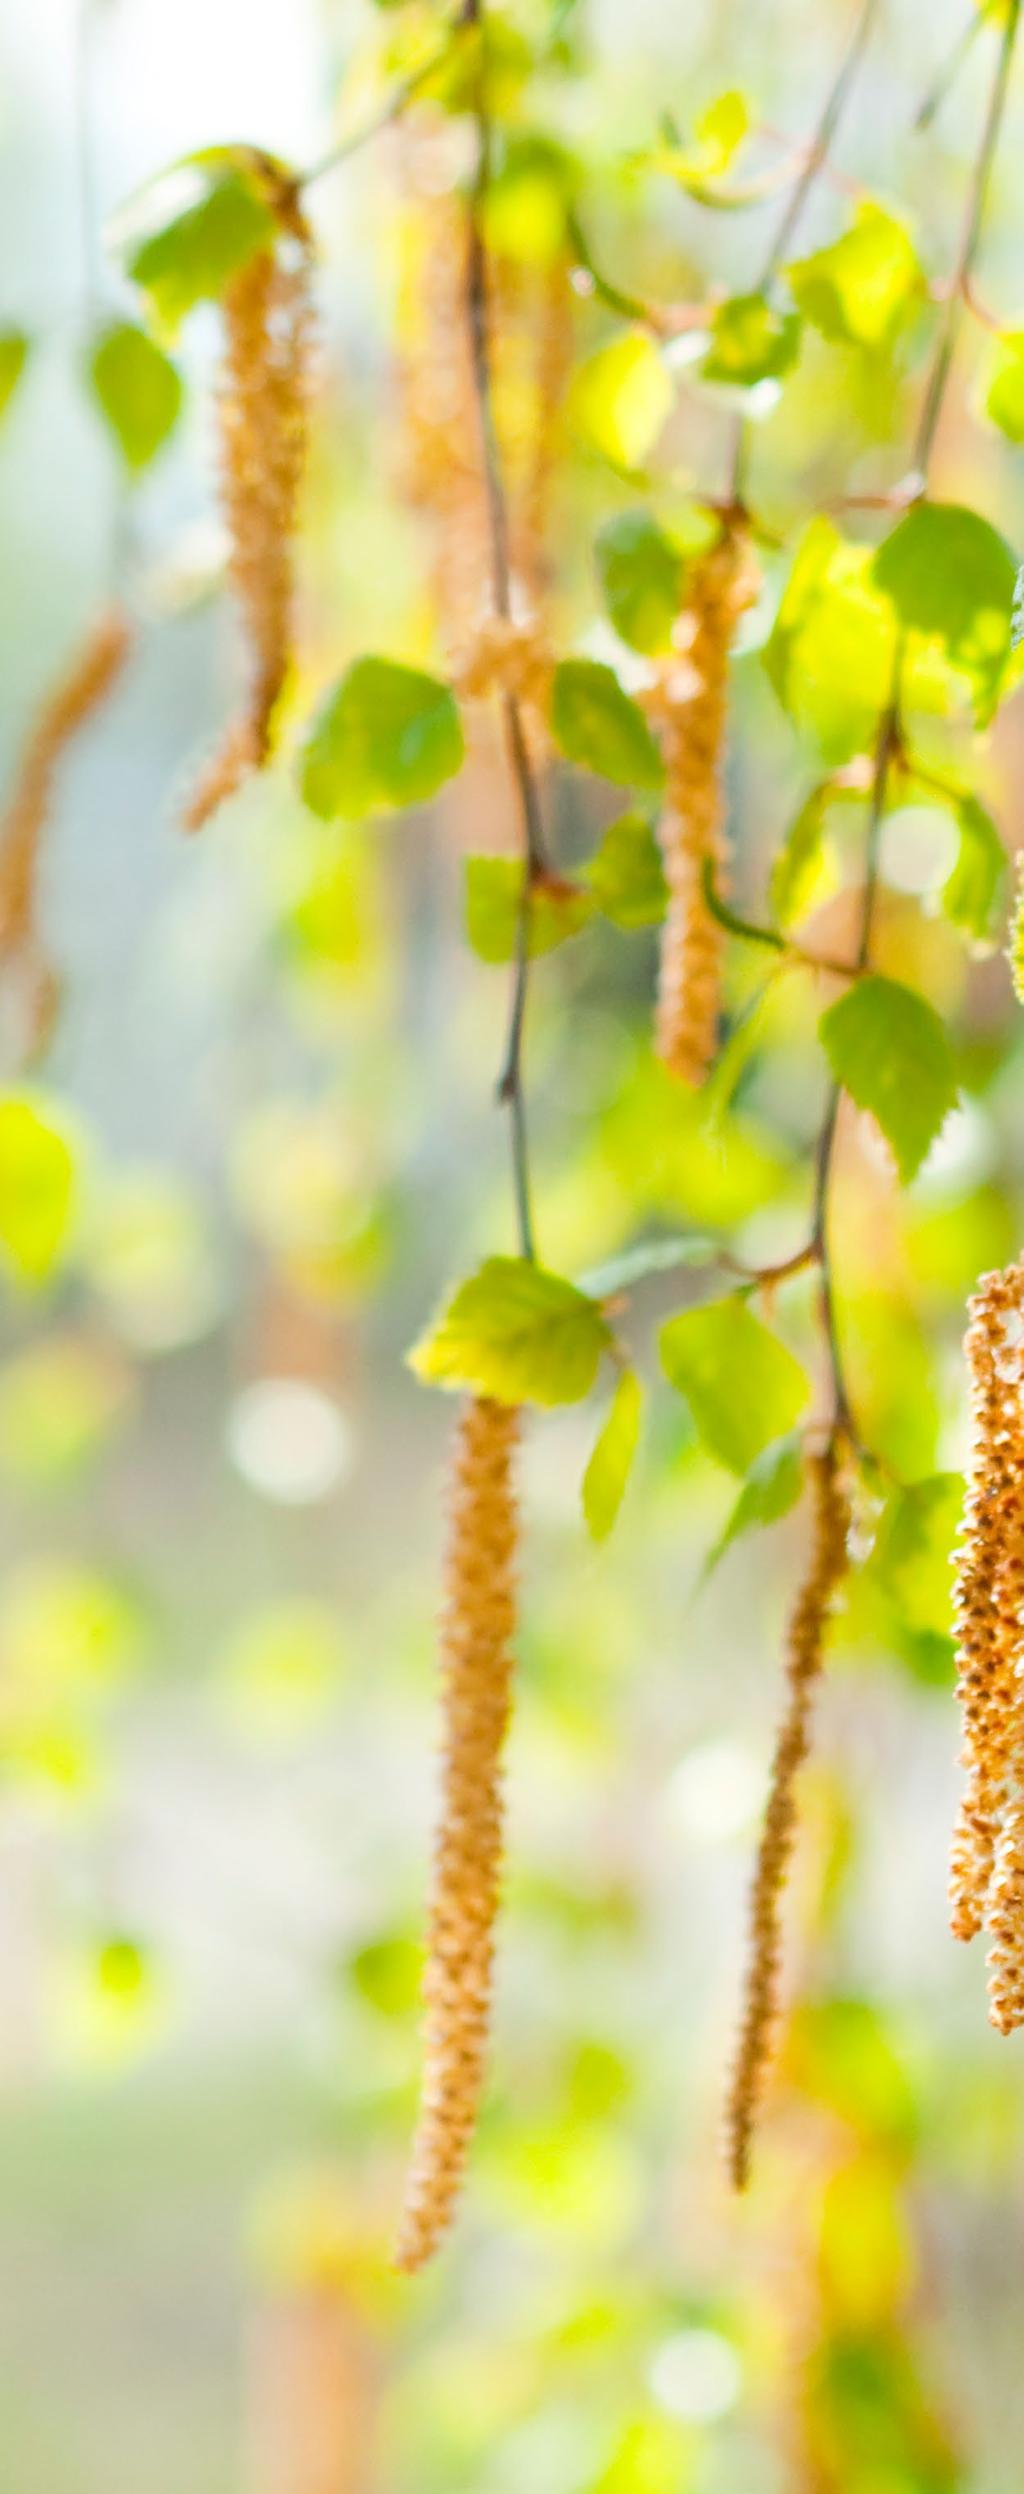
x: 987, y: 1869
x: 263, y: 416
x: 689, y: 705
x: 478, y: 1624
x: 80, y: 692
x: 1015, y: 949
x: 830, y: 1517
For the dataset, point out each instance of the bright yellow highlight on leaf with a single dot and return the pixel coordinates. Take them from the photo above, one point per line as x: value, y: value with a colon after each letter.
x: 38, y: 1180
x: 620, y: 399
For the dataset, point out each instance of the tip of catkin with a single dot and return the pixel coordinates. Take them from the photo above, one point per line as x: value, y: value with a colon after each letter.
x: 477, y: 1628
x: 84, y: 686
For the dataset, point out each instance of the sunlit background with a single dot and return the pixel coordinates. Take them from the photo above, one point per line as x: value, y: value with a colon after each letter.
x: 270, y: 1093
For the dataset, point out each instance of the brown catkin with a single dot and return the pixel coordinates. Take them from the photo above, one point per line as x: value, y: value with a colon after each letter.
x: 80, y: 691
x: 689, y: 704
x: 263, y: 416
x: 830, y: 1512
x: 987, y: 1866
x: 477, y: 1628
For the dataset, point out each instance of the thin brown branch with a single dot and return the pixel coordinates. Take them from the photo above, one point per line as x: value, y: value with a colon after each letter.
x: 534, y: 855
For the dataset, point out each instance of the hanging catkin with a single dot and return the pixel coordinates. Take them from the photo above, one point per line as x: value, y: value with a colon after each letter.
x: 80, y: 691
x: 477, y: 1628
x: 263, y: 412
x: 689, y: 705
x: 805, y: 1645
x: 987, y: 1870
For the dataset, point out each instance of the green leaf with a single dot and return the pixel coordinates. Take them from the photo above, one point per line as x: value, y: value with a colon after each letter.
x: 912, y: 1559
x: 385, y: 736
x: 951, y: 577
x: 721, y: 129
x: 387, y: 1974
x: 752, y: 340
x: 1004, y: 397
x: 743, y: 1387
x: 517, y: 1333
x: 890, y: 1051
x: 973, y: 891
x: 626, y: 877
x: 525, y: 209
x: 641, y: 575
x: 859, y: 290
x: 771, y: 1488
x: 649, y: 1255
x: 192, y: 257
x: 620, y: 398
x: 37, y: 1187
x: 596, y: 724
x: 137, y: 389
x: 14, y: 351
x: 611, y: 1460
x: 830, y: 655
x: 493, y: 890
x: 797, y: 864
x: 698, y: 165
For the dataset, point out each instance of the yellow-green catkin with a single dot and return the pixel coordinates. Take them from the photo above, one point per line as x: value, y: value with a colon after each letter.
x: 477, y: 1631
x: 830, y: 1514
x: 263, y: 417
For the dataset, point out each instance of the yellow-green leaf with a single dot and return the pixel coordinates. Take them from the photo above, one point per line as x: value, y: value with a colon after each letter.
x: 860, y: 288
x: 556, y: 909
x: 611, y: 1459
x: 517, y: 1333
x: 743, y: 1387
x: 620, y: 399
x: 831, y: 652
x: 387, y: 735
x: 626, y: 876
x: 771, y: 1488
x: 890, y: 1051
x: 37, y: 1187
x: 137, y: 389
x: 951, y: 578
x: 1004, y: 396
x: 219, y: 218
x: 753, y: 339
x: 972, y: 893
x: 641, y: 574
x: 597, y: 725
x: 14, y: 350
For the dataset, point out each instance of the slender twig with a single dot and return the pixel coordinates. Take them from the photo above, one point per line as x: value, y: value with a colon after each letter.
x: 403, y: 93
x: 816, y: 154
x: 816, y: 157
x: 974, y: 218
x: 534, y: 855
x: 950, y: 69
x: 85, y: 154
